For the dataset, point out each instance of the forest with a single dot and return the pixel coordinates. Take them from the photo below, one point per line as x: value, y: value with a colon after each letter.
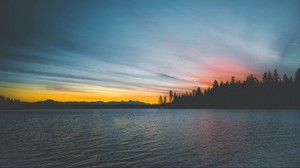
x: 271, y: 91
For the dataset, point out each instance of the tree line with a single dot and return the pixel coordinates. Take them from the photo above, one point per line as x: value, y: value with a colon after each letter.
x: 8, y: 102
x: 271, y: 91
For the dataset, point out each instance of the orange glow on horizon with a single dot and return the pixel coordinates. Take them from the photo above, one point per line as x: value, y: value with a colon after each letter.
x: 35, y: 94
x: 218, y: 68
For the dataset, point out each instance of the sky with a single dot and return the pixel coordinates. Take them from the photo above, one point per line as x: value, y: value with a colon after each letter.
x: 119, y: 50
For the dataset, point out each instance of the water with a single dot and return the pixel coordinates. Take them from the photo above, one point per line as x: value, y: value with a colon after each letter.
x: 150, y: 138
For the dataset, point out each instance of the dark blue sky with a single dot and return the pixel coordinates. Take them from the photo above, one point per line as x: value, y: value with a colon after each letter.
x: 88, y: 50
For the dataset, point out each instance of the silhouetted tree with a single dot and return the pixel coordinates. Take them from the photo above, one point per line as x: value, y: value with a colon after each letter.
x: 265, y: 78
x: 285, y: 79
x: 160, y: 100
x: 165, y: 100
x: 198, y: 92
x: 171, y: 96
x: 276, y: 77
x: 232, y: 80
x: 175, y: 97
x: 9, y: 103
x: 270, y: 92
x: 270, y: 77
x: 215, y: 84
x: 251, y: 80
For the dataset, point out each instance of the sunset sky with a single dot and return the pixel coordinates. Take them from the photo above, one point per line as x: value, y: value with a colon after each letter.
x: 137, y: 50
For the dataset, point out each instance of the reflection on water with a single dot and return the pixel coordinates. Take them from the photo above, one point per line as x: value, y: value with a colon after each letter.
x: 150, y: 138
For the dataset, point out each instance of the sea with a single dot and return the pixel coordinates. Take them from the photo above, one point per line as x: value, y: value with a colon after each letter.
x: 149, y: 138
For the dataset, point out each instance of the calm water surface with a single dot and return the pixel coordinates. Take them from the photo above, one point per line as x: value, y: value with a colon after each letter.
x: 150, y: 138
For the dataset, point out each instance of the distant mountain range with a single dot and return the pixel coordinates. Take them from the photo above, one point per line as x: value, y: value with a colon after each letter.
x: 7, y: 103
x: 49, y: 101
x: 131, y: 102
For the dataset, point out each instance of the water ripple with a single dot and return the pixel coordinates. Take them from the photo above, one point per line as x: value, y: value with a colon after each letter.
x: 150, y: 138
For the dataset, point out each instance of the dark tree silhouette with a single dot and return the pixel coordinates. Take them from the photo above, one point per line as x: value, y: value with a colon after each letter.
x: 269, y: 92
x: 276, y: 77
x: 198, y: 92
x: 171, y: 96
x: 165, y: 100
x: 270, y: 77
x: 160, y: 100
x: 215, y: 84
x: 9, y: 103
x: 265, y: 78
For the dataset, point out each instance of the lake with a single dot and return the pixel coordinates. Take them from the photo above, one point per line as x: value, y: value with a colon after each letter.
x: 150, y: 138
